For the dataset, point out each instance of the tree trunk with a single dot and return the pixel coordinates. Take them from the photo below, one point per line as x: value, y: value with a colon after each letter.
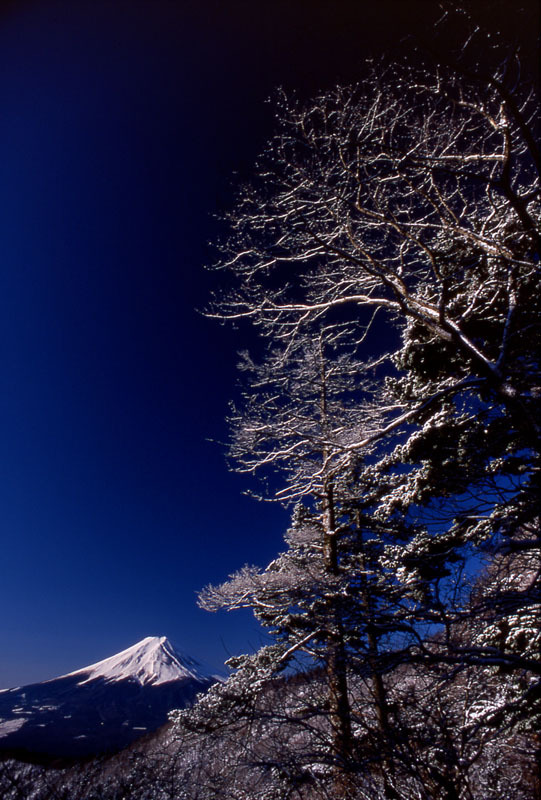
x: 380, y: 694
x: 339, y: 705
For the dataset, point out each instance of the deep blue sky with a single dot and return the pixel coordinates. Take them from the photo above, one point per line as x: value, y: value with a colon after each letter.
x: 122, y: 124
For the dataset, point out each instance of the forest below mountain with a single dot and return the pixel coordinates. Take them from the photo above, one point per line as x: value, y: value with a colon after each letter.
x: 384, y: 263
x: 442, y: 733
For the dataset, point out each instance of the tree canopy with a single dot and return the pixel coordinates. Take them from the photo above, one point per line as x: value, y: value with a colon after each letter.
x: 387, y: 254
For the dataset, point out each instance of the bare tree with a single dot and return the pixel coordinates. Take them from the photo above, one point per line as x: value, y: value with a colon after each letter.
x: 387, y: 252
x: 415, y: 195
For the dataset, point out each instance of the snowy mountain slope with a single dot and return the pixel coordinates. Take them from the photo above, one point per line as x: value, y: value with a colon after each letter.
x: 153, y: 660
x: 103, y: 707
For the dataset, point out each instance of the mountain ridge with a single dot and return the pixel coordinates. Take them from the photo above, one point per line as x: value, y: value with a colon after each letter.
x: 103, y: 707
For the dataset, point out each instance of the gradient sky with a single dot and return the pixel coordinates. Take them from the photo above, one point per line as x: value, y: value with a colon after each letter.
x: 122, y: 126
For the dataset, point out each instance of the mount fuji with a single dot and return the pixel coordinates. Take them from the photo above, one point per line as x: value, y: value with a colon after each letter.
x: 101, y: 708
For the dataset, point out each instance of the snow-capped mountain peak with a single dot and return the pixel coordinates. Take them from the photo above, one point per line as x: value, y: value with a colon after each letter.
x: 103, y: 707
x: 153, y: 660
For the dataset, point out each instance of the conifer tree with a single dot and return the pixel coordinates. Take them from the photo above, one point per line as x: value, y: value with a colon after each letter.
x: 300, y: 405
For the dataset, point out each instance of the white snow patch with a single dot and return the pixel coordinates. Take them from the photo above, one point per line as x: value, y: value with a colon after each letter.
x: 153, y: 660
x: 10, y: 726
